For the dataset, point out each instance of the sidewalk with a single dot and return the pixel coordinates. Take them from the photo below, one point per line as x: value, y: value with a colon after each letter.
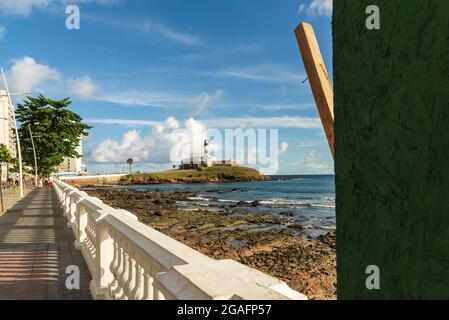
x: 35, y: 249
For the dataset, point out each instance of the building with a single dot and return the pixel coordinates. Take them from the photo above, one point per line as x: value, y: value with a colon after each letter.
x: 225, y: 163
x: 195, y: 162
x: 73, y: 165
x: 206, y: 160
x: 7, y: 127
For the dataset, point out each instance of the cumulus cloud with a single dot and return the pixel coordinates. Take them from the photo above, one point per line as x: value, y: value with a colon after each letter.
x: 22, y: 7
x: 314, y: 162
x: 171, y: 141
x: 202, y: 102
x: 316, y: 8
x: 2, y: 32
x: 26, y: 74
x: 283, y: 148
x: 155, y: 147
x: 82, y: 87
x: 26, y: 7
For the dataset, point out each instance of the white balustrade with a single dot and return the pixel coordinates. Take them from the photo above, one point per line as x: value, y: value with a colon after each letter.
x: 131, y: 261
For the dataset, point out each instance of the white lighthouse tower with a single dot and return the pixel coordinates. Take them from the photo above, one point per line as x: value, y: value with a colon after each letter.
x: 206, y: 159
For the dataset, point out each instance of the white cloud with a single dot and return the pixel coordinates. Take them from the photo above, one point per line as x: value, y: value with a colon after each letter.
x: 202, y: 102
x: 145, y: 99
x: 310, y: 143
x: 316, y: 8
x: 82, y: 87
x: 315, y: 163
x: 283, y: 148
x: 267, y: 122
x: 22, y: 7
x: 153, y: 148
x: 229, y: 122
x: 26, y: 7
x: 181, y: 37
x: 264, y: 73
x: 151, y: 27
x: 2, y: 32
x: 272, y: 107
x: 26, y: 74
x: 123, y: 122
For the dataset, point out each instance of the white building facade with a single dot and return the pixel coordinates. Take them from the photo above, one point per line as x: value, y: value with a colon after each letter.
x: 7, y: 127
x: 73, y: 165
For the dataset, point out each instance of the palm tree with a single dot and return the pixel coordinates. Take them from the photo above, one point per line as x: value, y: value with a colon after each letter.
x: 130, y: 163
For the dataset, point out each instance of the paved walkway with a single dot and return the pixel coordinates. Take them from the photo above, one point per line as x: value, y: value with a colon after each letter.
x: 11, y: 197
x: 35, y: 249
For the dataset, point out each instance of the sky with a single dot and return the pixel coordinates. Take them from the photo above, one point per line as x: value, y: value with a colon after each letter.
x: 140, y: 70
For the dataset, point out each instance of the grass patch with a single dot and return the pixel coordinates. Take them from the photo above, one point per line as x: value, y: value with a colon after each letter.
x: 203, y: 175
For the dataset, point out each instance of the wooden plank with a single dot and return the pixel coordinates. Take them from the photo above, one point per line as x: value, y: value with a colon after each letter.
x: 322, y: 90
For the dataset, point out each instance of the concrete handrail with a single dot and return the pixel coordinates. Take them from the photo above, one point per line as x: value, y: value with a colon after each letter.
x: 130, y: 260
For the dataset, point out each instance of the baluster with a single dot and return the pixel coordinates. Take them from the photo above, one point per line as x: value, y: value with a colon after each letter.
x: 125, y: 273
x: 122, y: 271
x: 137, y: 293
x: 131, y: 281
x: 115, y: 266
x: 116, y: 291
x: 147, y: 287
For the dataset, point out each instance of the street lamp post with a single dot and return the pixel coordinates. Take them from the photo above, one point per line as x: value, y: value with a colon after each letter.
x: 35, y: 159
x: 19, y: 152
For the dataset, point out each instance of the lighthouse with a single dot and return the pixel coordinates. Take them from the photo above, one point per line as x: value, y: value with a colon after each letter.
x: 206, y: 150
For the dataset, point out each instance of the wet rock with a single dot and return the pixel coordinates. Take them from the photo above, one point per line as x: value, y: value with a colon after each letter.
x: 330, y: 239
x: 296, y: 226
x: 307, y: 265
x: 255, y: 203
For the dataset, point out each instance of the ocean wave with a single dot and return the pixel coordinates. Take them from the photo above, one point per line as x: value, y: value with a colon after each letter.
x: 198, y: 198
x: 272, y: 202
x: 330, y: 206
x: 286, y: 202
x: 227, y: 200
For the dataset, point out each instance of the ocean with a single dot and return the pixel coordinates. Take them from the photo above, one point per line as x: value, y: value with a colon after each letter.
x: 301, y: 199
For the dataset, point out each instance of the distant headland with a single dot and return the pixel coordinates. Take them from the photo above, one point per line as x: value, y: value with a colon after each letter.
x: 198, y: 175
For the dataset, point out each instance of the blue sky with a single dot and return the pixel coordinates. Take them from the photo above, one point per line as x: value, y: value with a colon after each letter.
x: 133, y: 64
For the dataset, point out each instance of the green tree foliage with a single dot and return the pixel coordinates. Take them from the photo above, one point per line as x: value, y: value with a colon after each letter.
x: 56, y: 131
x: 5, y: 155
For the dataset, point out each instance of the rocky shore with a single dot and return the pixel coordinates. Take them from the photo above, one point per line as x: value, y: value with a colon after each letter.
x: 305, y: 264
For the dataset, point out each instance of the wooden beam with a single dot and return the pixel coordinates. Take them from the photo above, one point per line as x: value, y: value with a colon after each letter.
x: 318, y: 78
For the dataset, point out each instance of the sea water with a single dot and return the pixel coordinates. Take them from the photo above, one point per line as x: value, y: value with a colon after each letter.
x: 302, y: 200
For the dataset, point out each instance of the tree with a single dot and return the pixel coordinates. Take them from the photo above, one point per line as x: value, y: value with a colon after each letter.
x: 5, y: 158
x: 130, y: 163
x: 56, y: 131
